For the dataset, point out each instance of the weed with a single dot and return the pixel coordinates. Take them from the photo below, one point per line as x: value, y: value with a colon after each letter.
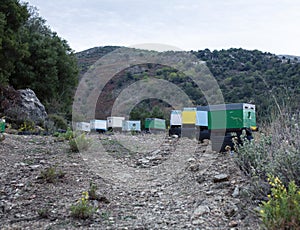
x: 51, y: 175
x: 83, y: 210
x: 43, y: 213
x: 92, y: 191
x: 27, y: 126
x: 79, y: 143
x: 105, y: 215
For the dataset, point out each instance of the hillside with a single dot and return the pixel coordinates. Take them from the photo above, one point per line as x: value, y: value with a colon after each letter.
x: 88, y: 57
x: 262, y: 78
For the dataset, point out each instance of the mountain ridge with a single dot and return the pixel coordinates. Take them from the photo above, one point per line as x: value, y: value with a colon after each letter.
x: 243, y: 76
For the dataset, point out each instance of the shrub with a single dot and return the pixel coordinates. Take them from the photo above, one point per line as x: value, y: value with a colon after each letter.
x: 51, y: 175
x: 79, y: 143
x: 282, y: 210
x: 83, y: 210
x: 27, y: 126
x: 276, y: 152
x: 59, y: 122
x: 68, y: 135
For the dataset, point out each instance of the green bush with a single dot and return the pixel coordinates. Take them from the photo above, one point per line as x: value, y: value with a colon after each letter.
x: 59, y: 122
x: 253, y: 156
x: 276, y: 152
x: 282, y: 210
x: 79, y: 143
x: 68, y: 135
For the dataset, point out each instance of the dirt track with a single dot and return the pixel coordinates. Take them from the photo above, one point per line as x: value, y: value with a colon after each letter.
x: 157, y: 184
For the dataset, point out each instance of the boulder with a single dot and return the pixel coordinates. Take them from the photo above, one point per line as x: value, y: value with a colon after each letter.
x: 23, y: 106
x: 31, y: 106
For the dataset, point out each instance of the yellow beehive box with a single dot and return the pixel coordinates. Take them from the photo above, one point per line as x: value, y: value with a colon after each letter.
x: 188, y: 116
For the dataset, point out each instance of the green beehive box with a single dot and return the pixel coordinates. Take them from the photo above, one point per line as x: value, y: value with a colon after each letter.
x: 2, y: 125
x: 231, y: 116
x: 155, y: 123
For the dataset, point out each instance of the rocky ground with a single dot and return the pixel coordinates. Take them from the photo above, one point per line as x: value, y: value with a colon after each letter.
x: 143, y: 182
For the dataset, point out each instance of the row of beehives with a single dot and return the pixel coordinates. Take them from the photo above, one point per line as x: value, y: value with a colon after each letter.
x: 223, y: 116
x: 202, y: 121
x: 120, y: 124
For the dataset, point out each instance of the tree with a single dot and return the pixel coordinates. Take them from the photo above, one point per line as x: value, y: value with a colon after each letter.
x: 50, y: 69
x: 13, y: 16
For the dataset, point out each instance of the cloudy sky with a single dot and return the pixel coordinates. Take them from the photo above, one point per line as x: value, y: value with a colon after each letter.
x: 266, y: 25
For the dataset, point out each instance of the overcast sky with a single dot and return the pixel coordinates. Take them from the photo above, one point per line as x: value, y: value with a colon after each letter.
x: 266, y: 25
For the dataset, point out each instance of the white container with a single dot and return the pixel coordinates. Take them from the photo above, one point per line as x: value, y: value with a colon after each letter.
x: 131, y: 126
x: 83, y: 126
x: 98, y: 125
x: 115, y: 122
x: 176, y: 118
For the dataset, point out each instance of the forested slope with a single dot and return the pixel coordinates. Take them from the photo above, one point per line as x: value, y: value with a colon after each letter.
x: 264, y: 79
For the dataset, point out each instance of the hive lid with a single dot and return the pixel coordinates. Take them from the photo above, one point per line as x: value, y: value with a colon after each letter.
x: 234, y: 106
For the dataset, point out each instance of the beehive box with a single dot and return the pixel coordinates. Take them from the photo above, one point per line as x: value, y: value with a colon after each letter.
x: 131, y: 126
x: 2, y: 125
x: 83, y: 126
x: 231, y: 116
x: 175, y: 118
x: 188, y: 116
x: 202, y: 116
x: 155, y: 123
x: 115, y: 122
x: 97, y: 125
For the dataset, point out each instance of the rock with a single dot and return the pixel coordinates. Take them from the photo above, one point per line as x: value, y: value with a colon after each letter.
x: 154, y: 158
x: 25, y: 106
x: 31, y: 106
x: 221, y: 185
x: 200, y: 211
x: 35, y: 166
x: 193, y: 167
x: 191, y: 160
x: 2, y: 137
x: 156, y: 152
x: 143, y: 161
x: 232, y: 224
x: 198, y: 221
x: 236, y: 192
x: 231, y: 210
x: 220, y: 178
x: 200, y: 179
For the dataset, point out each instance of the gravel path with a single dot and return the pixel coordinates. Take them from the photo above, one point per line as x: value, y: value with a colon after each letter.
x: 145, y: 182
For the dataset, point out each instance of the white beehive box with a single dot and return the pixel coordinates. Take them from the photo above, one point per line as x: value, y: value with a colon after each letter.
x: 98, y: 125
x: 131, y: 126
x: 175, y: 118
x: 83, y: 126
x: 115, y: 122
